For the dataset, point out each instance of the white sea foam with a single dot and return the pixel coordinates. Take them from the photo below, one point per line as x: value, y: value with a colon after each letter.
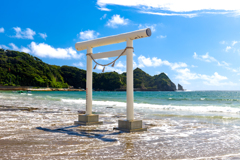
x: 160, y: 107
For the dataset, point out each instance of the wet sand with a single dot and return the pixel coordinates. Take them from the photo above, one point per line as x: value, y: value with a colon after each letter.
x: 32, y: 133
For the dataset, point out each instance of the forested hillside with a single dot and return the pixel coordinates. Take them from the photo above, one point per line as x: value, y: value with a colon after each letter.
x: 22, y: 69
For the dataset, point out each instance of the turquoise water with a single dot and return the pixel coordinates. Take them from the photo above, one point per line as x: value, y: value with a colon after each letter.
x: 186, y: 98
x: 187, y: 102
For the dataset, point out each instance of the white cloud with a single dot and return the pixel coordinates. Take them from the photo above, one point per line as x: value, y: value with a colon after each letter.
x: 177, y: 65
x: 193, y: 66
x: 120, y: 65
x: 103, y: 17
x: 43, y: 35
x: 14, y: 47
x: 116, y: 20
x: 214, y: 79
x: 223, y: 63
x: 134, y: 64
x: 234, y: 42
x: 222, y: 42
x: 4, y: 46
x: 208, y: 58
x: 45, y: 50
x: 110, y: 69
x: 22, y: 49
x: 105, y: 59
x: 102, y: 8
x: 88, y: 35
x: 27, y: 34
x: 205, y: 57
x: 161, y: 36
x: 185, y: 75
x: 188, y: 15
x: 177, y: 6
x: 152, y: 27
x: 154, y: 62
x: 228, y: 48
x: 2, y: 30
x: 80, y: 64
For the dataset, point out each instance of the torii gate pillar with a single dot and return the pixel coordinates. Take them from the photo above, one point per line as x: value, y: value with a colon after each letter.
x: 88, y: 118
x: 130, y: 125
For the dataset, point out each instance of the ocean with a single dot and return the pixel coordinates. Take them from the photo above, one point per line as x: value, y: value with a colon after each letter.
x: 181, y: 125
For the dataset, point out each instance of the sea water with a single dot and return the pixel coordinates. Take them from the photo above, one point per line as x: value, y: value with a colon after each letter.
x: 187, y: 124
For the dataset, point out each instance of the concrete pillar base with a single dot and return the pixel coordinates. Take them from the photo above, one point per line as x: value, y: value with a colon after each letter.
x: 86, y: 120
x: 130, y: 126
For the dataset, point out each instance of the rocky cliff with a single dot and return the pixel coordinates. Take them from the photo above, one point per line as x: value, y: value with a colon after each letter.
x: 180, y: 88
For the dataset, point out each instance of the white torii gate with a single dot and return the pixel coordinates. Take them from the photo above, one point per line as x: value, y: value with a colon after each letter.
x: 130, y: 124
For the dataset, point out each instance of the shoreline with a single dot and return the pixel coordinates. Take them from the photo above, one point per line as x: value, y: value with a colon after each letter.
x: 27, y: 88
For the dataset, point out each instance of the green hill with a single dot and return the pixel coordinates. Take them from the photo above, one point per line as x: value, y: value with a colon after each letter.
x: 22, y: 69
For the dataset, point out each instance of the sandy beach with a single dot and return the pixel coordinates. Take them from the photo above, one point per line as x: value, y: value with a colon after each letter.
x: 32, y: 133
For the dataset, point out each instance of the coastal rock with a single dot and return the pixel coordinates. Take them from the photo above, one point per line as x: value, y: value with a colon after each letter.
x: 145, y: 82
x: 164, y: 83
x: 180, y: 88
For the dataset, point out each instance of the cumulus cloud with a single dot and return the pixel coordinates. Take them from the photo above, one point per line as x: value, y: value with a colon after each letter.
x: 214, y: 79
x: 103, y: 17
x: 193, y: 66
x: 228, y: 48
x: 184, y: 75
x: 222, y: 42
x: 1, y: 30
x: 216, y: 7
x: 120, y: 65
x: 26, y: 34
x: 45, y: 50
x: 116, y: 20
x: 234, y: 42
x: 153, y: 26
x: 4, y: 46
x: 22, y: 49
x: 154, y: 62
x: 205, y: 57
x: 111, y: 69
x: 208, y: 58
x: 79, y: 64
x: 161, y: 36
x: 43, y: 35
x: 103, y: 8
x: 88, y: 35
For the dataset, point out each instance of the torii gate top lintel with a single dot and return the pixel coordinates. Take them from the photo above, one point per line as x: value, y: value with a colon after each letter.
x: 142, y: 33
x: 89, y: 45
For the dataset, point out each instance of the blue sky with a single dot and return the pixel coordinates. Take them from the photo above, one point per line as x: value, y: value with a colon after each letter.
x: 196, y: 43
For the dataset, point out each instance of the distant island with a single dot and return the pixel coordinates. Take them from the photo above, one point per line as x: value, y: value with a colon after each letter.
x: 22, y: 69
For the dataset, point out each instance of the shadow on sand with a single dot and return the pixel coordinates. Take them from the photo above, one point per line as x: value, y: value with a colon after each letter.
x: 83, y: 133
